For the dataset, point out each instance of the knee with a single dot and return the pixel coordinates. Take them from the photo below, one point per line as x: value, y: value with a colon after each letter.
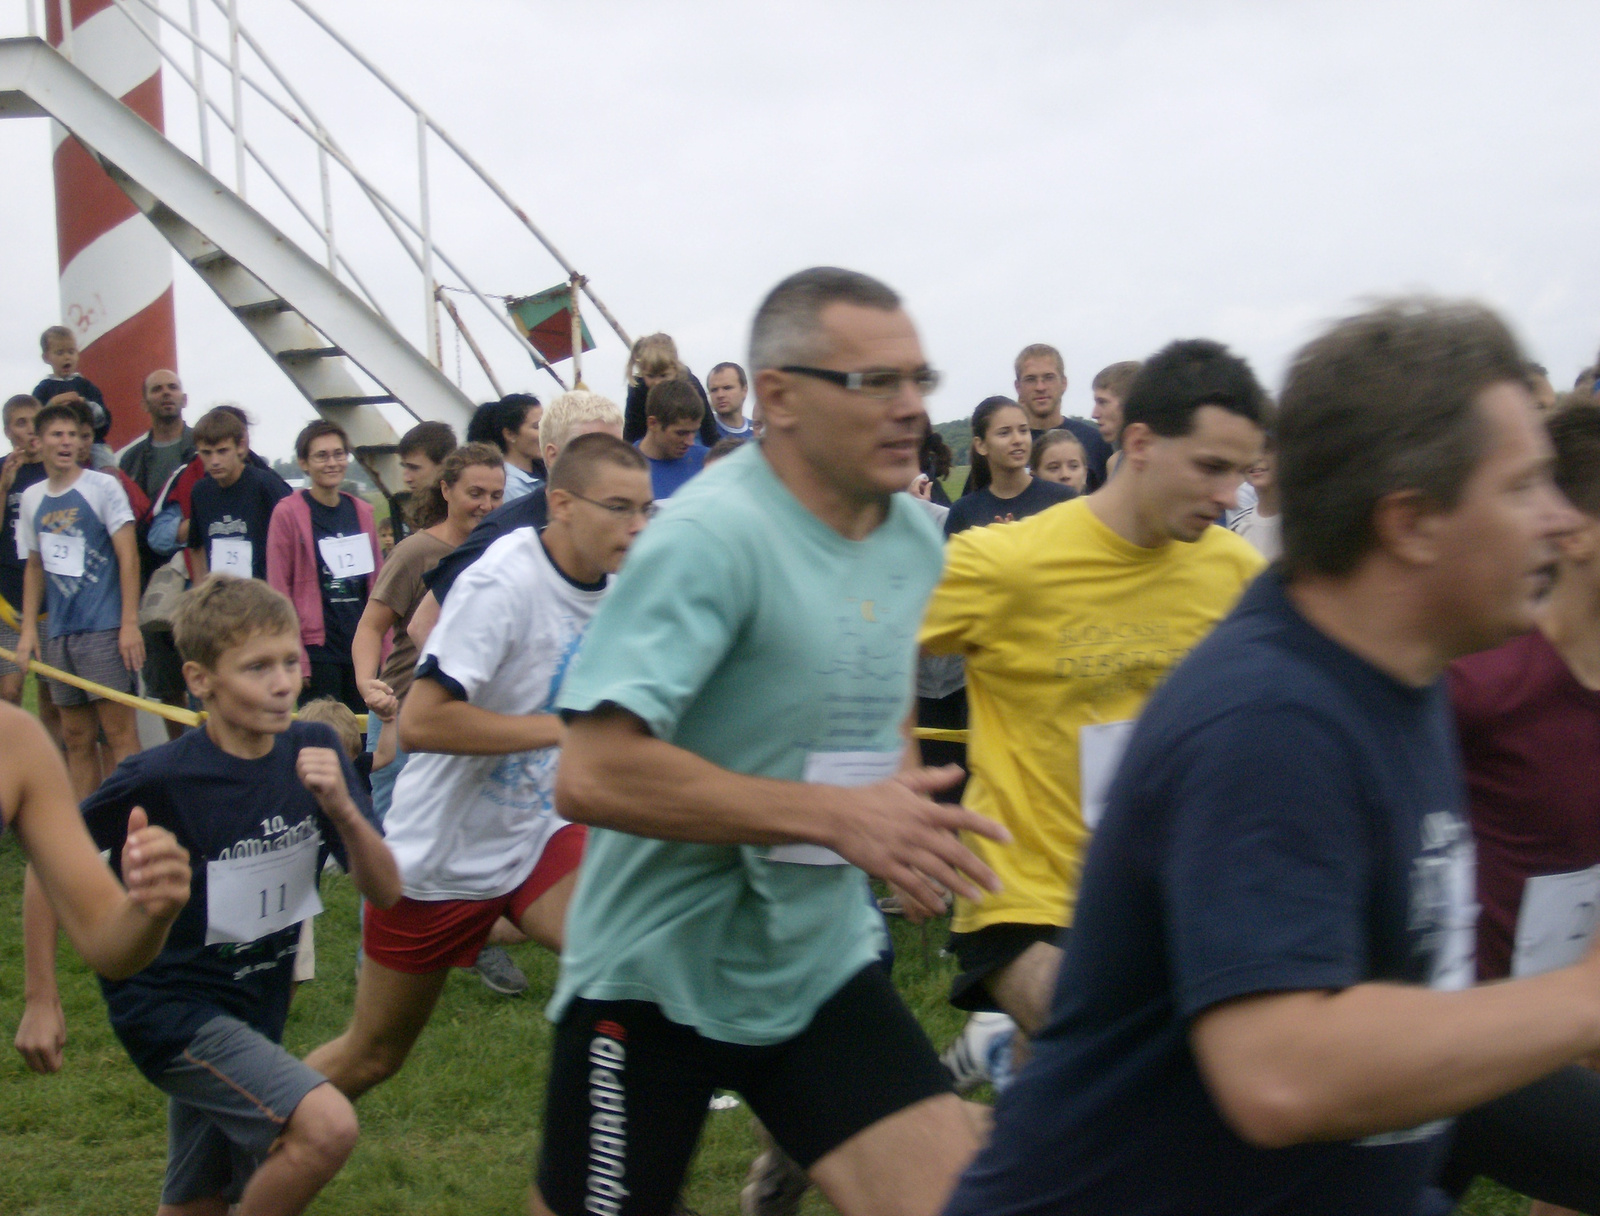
x: 324, y: 1127
x: 77, y: 736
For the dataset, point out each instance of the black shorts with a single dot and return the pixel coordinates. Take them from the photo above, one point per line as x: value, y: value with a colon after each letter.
x: 628, y: 1092
x: 984, y: 951
x: 1542, y: 1140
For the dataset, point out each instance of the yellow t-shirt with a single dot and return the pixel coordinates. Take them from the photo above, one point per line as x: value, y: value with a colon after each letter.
x: 1065, y: 626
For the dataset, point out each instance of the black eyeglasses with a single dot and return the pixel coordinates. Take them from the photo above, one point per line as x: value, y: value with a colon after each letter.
x: 879, y: 382
x: 622, y: 510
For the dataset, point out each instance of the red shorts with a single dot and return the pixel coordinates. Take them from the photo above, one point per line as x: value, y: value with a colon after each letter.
x: 420, y: 936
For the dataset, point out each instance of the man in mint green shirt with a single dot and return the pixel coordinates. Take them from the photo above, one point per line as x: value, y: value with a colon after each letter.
x: 737, y: 745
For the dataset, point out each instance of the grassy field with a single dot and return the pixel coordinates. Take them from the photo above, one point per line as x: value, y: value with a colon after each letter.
x: 454, y: 1134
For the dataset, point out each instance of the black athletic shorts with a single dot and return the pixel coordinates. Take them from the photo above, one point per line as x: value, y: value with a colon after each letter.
x: 1542, y: 1140
x: 984, y: 951
x: 628, y: 1092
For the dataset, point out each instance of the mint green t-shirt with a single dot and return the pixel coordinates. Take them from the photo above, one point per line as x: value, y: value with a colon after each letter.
x: 745, y: 630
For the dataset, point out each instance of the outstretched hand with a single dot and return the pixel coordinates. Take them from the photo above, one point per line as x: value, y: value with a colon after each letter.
x: 155, y: 868
x: 895, y: 831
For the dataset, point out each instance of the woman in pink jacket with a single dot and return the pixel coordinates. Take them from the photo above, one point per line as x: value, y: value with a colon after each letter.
x: 322, y: 552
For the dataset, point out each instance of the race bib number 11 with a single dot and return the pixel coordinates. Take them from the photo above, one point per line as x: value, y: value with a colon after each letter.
x: 248, y: 898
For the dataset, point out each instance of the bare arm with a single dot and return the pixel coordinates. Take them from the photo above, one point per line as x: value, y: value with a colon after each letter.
x: 365, y: 649
x: 1289, y: 1068
x: 202, y: 560
x: 42, y: 1032
x: 423, y: 620
x: 130, y: 641
x: 32, y: 605
x: 372, y: 866
x: 431, y: 720
x: 615, y: 774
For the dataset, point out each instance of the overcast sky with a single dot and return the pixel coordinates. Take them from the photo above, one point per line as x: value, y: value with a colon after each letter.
x: 1101, y: 177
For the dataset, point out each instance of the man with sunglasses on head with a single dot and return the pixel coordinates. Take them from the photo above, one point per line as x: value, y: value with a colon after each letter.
x: 736, y: 744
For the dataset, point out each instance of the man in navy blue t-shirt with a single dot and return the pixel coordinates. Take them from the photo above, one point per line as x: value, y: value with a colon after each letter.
x: 1264, y: 1005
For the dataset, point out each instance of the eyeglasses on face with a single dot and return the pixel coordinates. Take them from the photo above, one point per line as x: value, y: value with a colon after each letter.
x: 876, y: 382
x: 328, y: 458
x: 622, y: 510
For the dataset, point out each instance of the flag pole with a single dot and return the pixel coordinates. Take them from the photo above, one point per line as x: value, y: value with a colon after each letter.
x: 577, y: 333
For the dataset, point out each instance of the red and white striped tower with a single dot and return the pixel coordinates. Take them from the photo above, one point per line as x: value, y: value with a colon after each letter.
x: 116, y: 269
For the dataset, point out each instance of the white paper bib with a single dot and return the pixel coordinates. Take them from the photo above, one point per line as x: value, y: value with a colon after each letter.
x: 249, y: 897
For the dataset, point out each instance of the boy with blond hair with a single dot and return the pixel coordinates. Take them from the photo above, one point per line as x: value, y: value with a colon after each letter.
x: 261, y: 800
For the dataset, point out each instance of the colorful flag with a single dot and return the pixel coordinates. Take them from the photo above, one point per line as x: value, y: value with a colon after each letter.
x: 545, y: 320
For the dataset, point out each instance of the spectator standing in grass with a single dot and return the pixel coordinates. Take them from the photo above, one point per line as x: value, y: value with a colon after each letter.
x: 22, y: 467
x: 1001, y: 445
x: 230, y: 508
x: 421, y: 450
x: 673, y: 412
x: 322, y: 552
x: 83, y: 568
x: 169, y: 443
x: 1058, y: 456
x: 726, y: 388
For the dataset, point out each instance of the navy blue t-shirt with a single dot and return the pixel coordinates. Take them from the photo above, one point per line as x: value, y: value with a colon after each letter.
x: 532, y: 510
x: 219, y: 807
x: 1286, y: 818
x: 241, y: 511
x: 983, y: 507
x: 343, y: 599
x: 12, y: 566
x: 53, y: 386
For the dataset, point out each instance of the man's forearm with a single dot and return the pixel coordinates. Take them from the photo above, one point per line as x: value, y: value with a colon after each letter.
x: 617, y: 775
x: 365, y: 648
x: 1306, y: 1066
x: 431, y: 720
x: 127, y: 551
x: 32, y: 593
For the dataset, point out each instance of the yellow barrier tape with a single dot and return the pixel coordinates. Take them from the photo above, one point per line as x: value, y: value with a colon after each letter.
x: 172, y: 713
x: 8, y: 614
x: 184, y: 717
x: 934, y: 734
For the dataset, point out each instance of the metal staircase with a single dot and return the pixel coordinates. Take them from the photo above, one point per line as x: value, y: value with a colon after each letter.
x: 311, y: 311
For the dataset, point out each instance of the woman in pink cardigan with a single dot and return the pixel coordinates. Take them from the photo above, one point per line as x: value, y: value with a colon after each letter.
x: 322, y: 552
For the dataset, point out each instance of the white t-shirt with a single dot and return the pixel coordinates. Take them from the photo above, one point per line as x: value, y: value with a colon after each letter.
x: 473, y: 827
x: 1265, y: 532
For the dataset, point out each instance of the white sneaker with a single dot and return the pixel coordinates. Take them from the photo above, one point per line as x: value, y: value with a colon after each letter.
x: 981, y: 1052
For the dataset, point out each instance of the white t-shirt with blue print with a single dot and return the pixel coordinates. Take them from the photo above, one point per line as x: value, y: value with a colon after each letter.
x: 473, y: 827
x: 71, y: 532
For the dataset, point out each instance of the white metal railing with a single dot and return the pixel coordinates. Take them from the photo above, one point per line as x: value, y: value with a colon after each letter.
x: 416, y: 235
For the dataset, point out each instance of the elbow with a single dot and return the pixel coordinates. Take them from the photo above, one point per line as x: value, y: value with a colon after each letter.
x: 580, y: 790
x: 386, y: 894
x: 1270, y: 1114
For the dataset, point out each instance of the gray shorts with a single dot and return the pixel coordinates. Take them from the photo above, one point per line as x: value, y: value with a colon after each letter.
x: 230, y: 1094
x: 8, y: 639
x: 93, y: 656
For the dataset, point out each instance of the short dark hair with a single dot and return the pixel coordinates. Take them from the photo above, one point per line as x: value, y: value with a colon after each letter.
x: 20, y: 401
x: 314, y: 431
x: 1182, y: 378
x: 674, y: 401
x: 726, y: 446
x: 1383, y: 402
x: 1575, y: 433
x: 785, y: 329
x: 1118, y: 377
x: 74, y: 411
x: 729, y: 367
x: 53, y: 333
x: 574, y: 469
x: 435, y: 440
x: 216, y: 425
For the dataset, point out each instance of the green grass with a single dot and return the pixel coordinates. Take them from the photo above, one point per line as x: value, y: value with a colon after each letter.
x: 454, y: 1134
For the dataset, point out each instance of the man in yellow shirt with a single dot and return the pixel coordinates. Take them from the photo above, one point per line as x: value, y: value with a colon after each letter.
x: 1068, y: 620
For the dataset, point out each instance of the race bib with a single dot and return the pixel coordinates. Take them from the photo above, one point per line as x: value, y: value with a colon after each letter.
x: 1100, y: 748
x: 232, y: 555
x: 1556, y: 921
x: 347, y: 556
x: 61, y: 554
x: 248, y: 898
x: 836, y: 768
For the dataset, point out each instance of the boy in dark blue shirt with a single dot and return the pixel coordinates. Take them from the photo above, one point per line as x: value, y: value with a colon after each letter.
x: 1265, y: 1004
x: 58, y: 346
x: 230, y: 508
x: 259, y: 801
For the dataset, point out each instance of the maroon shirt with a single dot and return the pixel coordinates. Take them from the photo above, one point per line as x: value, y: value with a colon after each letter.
x: 1530, y: 738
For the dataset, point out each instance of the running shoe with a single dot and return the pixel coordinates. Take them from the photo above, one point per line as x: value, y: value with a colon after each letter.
x: 499, y: 973
x: 981, y: 1052
x: 774, y: 1187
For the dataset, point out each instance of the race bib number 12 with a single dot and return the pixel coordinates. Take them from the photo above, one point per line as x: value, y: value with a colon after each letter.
x: 347, y: 556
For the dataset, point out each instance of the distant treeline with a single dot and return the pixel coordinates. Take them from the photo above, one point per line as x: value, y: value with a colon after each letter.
x: 958, y: 436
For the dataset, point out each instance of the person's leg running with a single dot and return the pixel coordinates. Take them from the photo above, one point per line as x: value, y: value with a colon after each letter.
x: 539, y: 906
x: 1023, y: 987
x: 318, y: 1140
x: 904, y: 1165
x: 391, y: 1009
